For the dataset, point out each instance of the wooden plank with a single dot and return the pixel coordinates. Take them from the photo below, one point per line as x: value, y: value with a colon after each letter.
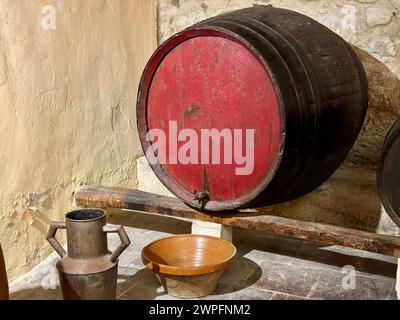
x: 123, y: 198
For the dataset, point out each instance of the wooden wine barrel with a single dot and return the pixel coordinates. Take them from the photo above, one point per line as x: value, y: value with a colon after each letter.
x: 388, y: 173
x: 264, y: 78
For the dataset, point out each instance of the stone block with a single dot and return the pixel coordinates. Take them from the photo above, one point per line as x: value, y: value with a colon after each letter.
x: 212, y: 229
x: 378, y: 16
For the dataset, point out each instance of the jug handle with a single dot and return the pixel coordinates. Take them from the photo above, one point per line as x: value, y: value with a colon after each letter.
x: 51, y: 237
x: 125, y: 242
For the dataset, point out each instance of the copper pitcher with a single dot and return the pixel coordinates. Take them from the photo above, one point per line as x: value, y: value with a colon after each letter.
x: 89, y: 270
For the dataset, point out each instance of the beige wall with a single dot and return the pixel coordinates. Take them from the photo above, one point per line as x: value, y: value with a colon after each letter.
x: 67, y: 99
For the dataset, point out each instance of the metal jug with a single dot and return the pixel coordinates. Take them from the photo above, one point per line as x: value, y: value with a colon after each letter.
x: 89, y: 270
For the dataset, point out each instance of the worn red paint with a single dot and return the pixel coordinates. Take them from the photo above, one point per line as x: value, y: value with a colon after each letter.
x: 216, y: 82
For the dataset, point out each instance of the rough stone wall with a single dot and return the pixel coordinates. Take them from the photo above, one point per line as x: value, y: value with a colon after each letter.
x: 67, y: 100
x: 372, y: 26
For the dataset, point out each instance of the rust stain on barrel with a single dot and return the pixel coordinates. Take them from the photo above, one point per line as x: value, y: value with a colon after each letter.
x: 192, y: 110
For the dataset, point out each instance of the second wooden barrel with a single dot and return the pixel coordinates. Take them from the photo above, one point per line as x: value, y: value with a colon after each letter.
x: 250, y: 108
x: 388, y: 173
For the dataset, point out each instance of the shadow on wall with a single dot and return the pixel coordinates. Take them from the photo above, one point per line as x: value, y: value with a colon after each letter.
x: 349, y: 198
x: 383, y: 110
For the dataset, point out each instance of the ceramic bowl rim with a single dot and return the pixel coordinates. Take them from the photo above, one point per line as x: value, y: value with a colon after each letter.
x: 187, y: 271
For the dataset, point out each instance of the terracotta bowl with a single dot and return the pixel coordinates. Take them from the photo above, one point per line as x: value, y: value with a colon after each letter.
x: 188, y: 265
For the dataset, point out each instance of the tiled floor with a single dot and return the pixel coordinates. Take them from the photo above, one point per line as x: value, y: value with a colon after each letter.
x: 266, y: 267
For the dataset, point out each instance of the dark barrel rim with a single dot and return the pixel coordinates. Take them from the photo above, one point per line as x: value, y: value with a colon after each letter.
x: 145, y: 83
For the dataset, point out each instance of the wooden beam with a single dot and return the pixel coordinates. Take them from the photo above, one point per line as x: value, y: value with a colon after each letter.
x: 123, y: 198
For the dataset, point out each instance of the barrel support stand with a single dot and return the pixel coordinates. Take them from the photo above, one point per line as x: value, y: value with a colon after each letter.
x: 212, y: 229
x: 318, y: 233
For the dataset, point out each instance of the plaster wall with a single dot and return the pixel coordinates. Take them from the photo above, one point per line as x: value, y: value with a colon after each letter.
x: 67, y: 100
